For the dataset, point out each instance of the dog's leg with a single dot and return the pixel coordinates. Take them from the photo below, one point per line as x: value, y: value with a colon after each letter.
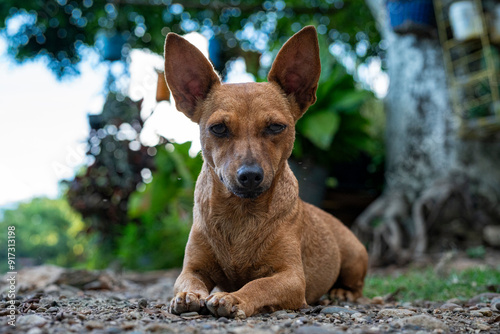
x: 349, y: 285
x: 191, y: 292
x: 285, y: 290
x: 194, y: 283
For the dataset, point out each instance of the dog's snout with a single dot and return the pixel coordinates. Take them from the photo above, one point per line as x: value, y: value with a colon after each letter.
x: 250, y: 176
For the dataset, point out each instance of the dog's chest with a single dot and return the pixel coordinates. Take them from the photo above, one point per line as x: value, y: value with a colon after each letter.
x: 240, y: 252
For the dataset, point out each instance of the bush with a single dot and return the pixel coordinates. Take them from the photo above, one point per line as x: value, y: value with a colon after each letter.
x: 47, y: 231
x: 161, y: 214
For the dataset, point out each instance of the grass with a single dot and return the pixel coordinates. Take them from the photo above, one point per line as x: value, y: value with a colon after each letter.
x: 425, y: 284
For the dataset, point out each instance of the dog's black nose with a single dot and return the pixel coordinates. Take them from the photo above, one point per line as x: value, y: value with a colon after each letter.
x: 250, y: 176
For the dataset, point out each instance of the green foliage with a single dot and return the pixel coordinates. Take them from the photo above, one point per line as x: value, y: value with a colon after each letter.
x: 162, y: 213
x: 334, y: 129
x: 478, y: 252
x: 47, y: 231
x: 427, y: 285
x: 58, y: 28
x: 101, y: 193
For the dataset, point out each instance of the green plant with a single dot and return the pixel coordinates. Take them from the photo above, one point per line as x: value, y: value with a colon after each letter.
x: 101, y: 192
x: 46, y: 231
x: 334, y: 129
x: 161, y: 214
x: 425, y: 284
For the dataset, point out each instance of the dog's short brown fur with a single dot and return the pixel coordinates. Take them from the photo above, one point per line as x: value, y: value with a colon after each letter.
x: 252, y: 237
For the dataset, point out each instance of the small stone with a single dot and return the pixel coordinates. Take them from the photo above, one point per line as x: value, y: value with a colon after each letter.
x: 287, y: 316
x: 425, y: 321
x: 378, y: 300
x: 483, y: 297
x: 302, y: 320
x: 482, y: 326
x: 486, y: 312
x: 92, y: 324
x: 81, y: 316
x: 52, y: 309
x: 277, y: 313
x: 476, y: 314
x: 312, y: 330
x: 143, y: 303
x: 134, y: 315
x: 41, y: 310
x: 495, y: 304
x: 337, y: 309
x: 454, y: 301
x: 189, y: 314
x: 31, y: 320
x: 34, y: 330
x: 395, y: 312
x: 449, y: 306
x: 158, y: 327
x: 223, y: 320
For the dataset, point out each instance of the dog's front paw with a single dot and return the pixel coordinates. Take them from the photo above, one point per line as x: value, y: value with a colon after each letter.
x: 345, y: 295
x: 223, y: 304
x: 186, y: 302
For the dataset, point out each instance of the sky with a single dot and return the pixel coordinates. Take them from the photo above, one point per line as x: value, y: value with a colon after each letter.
x: 43, y: 120
x: 43, y: 125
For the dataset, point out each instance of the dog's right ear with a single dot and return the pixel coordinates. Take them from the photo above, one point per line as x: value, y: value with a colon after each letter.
x: 297, y: 67
x: 189, y: 75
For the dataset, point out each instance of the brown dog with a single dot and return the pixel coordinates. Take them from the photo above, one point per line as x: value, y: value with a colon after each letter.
x: 252, y: 237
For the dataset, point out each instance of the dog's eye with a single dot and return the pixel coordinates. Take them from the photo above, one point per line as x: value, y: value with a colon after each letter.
x: 220, y: 130
x: 275, y: 128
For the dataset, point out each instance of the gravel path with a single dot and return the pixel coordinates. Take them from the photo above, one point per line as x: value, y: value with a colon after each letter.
x: 56, y: 300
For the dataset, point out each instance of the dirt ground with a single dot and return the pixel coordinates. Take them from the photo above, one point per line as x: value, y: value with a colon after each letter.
x: 50, y: 299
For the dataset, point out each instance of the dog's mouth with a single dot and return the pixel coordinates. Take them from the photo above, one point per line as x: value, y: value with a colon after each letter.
x: 247, y: 194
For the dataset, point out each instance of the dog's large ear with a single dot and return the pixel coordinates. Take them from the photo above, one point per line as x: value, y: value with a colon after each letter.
x: 297, y: 68
x: 189, y: 74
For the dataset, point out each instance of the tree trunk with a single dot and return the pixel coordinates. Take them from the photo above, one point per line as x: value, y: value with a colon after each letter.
x: 440, y: 191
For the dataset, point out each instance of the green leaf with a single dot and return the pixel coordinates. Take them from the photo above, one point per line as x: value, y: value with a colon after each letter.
x: 320, y: 128
x: 350, y: 101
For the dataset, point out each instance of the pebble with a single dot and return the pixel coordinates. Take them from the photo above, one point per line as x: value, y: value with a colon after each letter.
x: 31, y: 320
x: 277, y: 313
x: 425, y: 321
x: 53, y: 309
x: 337, y: 309
x: 378, y: 300
x: 476, y: 314
x: 92, y: 324
x: 143, y: 303
x: 222, y: 319
x: 495, y: 304
x: 287, y: 316
x: 34, y: 330
x: 449, y: 306
x: 486, y: 312
x: 482, y: 326
x: 312, y: 330
x: 395, y: 312
x: 188, y: 314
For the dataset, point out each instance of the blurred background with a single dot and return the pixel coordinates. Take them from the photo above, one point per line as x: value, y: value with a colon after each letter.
x: 98, y: 168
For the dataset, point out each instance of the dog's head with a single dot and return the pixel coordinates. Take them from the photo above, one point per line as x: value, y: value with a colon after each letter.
x: 247, y: 130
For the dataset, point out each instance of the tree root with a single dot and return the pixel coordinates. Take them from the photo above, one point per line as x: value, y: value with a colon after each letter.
x: 397, y: 229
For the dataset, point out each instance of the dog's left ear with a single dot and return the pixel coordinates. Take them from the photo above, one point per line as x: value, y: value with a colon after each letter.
x: 297, y: 68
